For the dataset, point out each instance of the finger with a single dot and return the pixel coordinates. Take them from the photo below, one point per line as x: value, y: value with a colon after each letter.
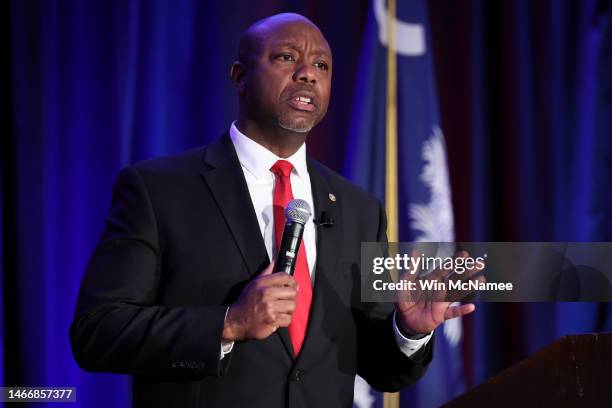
x: 468, y: 294
x: 276, y: 293
x: 269, y: 269
x: 273, y: 328
x: 283, y: 320
x: 462, y: 254
x: 443, y: 273
x: 278, y: 279
x: 285, y: 306
x: 414, y: 254
x: 472, y: 271
x: 480, y: 279
x: 459, y: 255
x: 456, y: 311
x: 468, y: 273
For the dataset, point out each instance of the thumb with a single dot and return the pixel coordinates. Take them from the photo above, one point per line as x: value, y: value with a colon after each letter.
x: 269, y: 269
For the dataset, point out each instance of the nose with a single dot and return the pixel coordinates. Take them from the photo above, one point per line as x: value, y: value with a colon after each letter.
x: 305, y: 73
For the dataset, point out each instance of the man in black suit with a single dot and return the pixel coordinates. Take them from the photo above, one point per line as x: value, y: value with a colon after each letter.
x: 180, y: 291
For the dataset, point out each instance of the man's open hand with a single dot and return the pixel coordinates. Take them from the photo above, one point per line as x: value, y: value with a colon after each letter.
x: 424, y: 315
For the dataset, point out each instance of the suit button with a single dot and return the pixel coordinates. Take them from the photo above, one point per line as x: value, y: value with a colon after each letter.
x: 296, y: 375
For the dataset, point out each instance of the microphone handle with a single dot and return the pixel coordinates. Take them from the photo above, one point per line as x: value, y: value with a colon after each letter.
x: 290, y: 244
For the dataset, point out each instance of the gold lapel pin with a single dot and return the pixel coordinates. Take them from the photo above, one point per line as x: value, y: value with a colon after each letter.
x: 332, y: 197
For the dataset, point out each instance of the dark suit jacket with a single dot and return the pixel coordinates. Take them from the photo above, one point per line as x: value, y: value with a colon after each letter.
x: 180, y: 242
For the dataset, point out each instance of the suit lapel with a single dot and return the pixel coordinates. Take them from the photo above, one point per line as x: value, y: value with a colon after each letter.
x: 225, y: 179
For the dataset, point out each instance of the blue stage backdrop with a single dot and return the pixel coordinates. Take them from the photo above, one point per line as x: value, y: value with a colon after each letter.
x: 524, y: 92
x: 526, y: 105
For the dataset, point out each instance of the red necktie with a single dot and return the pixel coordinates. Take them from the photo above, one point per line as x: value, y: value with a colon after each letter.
x: 282, y: 196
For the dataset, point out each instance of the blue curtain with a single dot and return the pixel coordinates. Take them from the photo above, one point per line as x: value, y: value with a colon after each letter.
x: 94, y: 86
x: 526, y: 105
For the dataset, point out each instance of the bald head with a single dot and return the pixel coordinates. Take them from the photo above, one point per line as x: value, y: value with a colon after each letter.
x: 283, y: 78
x: 251, y: 40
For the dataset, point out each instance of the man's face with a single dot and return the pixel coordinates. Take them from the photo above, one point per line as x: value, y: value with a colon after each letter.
x: 289, y: 81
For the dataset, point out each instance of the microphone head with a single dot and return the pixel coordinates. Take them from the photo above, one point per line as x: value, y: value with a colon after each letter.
x: 298, y: 210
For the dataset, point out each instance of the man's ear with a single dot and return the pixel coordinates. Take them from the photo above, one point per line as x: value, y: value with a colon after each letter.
x: 238, y: 75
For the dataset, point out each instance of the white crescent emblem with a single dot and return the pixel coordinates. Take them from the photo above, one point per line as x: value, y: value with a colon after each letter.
x: 409, y: 38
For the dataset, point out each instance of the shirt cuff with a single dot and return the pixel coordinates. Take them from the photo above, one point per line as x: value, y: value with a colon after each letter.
x: 406, y: 345
x: 226, y: 346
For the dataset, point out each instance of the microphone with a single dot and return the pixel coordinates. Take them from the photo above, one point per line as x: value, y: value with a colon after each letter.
x: 297, y: 214
x: 324, y: 220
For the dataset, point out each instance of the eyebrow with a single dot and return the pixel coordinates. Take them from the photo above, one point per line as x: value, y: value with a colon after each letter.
x: 290, y: 44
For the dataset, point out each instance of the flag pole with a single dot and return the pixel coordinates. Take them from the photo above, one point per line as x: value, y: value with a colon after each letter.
x: 391, y: 400
x: 391, y: 198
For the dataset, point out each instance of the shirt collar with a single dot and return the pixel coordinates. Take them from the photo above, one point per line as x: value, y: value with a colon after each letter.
x: 258, y: 160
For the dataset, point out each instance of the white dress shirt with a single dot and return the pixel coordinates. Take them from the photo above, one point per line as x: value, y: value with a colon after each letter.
x: 256, y: 162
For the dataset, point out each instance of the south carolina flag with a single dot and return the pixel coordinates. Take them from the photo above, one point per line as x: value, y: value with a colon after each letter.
x: 398, y: 153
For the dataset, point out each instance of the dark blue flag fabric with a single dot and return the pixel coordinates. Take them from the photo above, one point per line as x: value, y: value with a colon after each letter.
x: 423, y: 189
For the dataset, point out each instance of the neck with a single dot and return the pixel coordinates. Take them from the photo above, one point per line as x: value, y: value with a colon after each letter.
x: 283, y: 143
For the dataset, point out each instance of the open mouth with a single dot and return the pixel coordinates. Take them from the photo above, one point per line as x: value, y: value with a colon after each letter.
x: 303, y: 103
